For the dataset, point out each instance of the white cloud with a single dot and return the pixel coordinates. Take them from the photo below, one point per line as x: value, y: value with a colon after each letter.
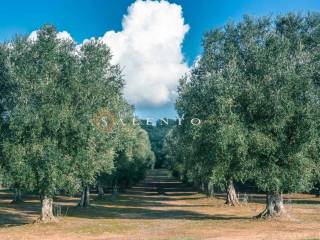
x: 64, y: 35
x: 33, y: 36
x: 149, y: 50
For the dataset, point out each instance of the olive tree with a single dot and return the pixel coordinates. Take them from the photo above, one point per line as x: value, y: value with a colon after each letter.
x: 35, y: 154
x: 56, y: 90
x: 257, y: 88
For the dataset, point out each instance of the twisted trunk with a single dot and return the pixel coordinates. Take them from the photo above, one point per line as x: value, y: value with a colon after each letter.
x: 274, y: 206
x: 210, y: 190
x: 232, y: 198
x: 17, y: 198
x: 46, y: 210
x: 100, y: 191
x: 85, y: 197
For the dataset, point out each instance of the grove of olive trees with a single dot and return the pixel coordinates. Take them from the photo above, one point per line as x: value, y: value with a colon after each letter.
x: 256, y: 87
x: 50, y: 93
x: 68, y: 136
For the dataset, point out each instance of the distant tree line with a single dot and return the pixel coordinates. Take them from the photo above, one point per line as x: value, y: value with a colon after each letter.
x: 157, y: 133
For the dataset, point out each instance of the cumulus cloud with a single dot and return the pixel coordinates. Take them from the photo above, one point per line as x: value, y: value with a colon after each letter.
x: 149, y: 50
x: 64, y: 35
x: 33, y: 36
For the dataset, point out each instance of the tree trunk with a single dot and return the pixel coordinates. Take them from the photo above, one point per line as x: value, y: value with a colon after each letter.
x: 202, y: 187
x: 46, y: 210
x: 100, y: 191
x: 85, y: 197
x: 17, y: 198
x: 232, y: 198
x: 115, y: 189
x: 210, y: 190
x: 274, y: 206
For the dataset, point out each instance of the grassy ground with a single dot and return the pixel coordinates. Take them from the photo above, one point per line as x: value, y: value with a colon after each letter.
x: 161, y: 208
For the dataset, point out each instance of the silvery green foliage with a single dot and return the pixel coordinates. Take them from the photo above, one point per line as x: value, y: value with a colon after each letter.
x: 257, y: 88
x: 53, y: 90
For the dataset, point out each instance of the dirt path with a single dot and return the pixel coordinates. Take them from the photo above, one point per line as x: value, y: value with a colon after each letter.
x: 161, y: 208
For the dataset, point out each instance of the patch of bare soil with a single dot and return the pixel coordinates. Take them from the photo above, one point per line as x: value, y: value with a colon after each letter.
x: 161, y: 208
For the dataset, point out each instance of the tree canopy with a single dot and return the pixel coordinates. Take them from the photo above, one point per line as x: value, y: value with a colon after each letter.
x: 256, y: 87
x: 52, y: 92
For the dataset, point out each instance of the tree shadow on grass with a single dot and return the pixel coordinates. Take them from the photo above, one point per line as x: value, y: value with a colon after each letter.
x: 301, y: 201
x: 159, y: 198
x: 102, y: 212
x: 17, y: 214
x: 142, y: 201
x: 8, y: 219
x: 261, y: 198
x: 13, y: 214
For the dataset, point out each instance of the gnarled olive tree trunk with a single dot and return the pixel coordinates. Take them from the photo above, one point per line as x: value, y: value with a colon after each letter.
x: 115, y: 188
x: 46, y: 210
x: 232, y: 198
x: 17, y: 197
x: 85, y: 197
x: 100, y: 190
x: 274, y: 206
x: 210, y: 190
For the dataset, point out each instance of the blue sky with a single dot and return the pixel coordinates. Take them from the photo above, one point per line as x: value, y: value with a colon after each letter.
x: 86, y: 18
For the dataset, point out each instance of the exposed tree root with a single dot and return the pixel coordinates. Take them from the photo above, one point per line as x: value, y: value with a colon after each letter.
x: 274, y: 207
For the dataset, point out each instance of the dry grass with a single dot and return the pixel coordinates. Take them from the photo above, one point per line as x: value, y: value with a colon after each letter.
x: 162, y: 210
